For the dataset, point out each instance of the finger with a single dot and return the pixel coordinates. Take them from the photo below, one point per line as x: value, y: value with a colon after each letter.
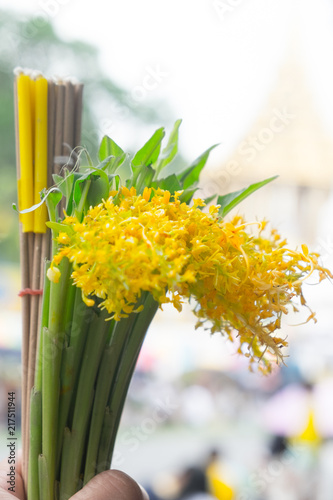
x: 111, y: 485
x: 11, y: 478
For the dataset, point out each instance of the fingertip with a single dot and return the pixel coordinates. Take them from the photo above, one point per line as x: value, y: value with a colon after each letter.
x: 112, y: 485
x: 145, y: 495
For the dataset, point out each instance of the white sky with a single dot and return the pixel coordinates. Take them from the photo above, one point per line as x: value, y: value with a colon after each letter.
x: 217, y: 58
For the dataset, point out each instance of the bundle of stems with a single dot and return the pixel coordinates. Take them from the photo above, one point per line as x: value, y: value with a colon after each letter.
x: 48, y: 117
x: 77, y: 366
x: 122, y: 245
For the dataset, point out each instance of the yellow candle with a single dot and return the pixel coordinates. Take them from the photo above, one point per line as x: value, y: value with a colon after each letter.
x: 26, y: 180
x: 40, y: 215
x: 33, y: 113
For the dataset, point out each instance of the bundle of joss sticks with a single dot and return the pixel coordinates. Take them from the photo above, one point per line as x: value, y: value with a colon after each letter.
x: 48, y: 116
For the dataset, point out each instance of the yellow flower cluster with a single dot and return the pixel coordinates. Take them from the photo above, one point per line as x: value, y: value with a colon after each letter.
x: 240, y: 281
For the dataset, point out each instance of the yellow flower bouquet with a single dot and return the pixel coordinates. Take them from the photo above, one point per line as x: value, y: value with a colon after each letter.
x: 122, y: 246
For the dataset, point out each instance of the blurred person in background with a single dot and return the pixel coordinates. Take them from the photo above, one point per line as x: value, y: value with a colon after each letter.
x: 194, y: 485
x: 278, y: 476
x: 217, y: 477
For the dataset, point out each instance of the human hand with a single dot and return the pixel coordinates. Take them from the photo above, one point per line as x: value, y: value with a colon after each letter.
x: 109, y: 485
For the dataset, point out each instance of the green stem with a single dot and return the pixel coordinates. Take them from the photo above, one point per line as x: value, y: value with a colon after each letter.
x: 35, y: 445
x: 44, y: 323
x: 75, y: 438
x: 82, y: 317
x: 69, y: 307
x: 103, y: 449
x: 58, y: 296
x: 120, y: 387
x: 103, y: 386
x: 109, y: 366
x: 52, y: 342
x: 44, y: 481
x: 66, y: 391
x: 122, y: 332
x: 83, y: 198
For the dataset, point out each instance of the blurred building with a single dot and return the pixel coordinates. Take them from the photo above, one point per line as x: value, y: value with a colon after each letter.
x: 289, y: 138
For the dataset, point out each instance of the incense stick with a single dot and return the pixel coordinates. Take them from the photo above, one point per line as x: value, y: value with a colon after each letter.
x: 46, y: 237
x: 27, y: 317
x: 34, y: 308
x: 51, y: 132
x: 59, y: 127
x: 78, y: 113
x: 68, y: 137
x: 46, y: 252
x: 63, y: 122
x: 25, y: 300
x: 25, y: 312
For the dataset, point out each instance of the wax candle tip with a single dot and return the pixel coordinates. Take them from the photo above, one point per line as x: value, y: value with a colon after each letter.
x: 18, y: 71
x: 36, y: 74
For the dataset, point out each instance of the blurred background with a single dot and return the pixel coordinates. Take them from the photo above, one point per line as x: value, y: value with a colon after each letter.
x: 255, y: 76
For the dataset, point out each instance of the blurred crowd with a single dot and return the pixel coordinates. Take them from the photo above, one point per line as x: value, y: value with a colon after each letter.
x: 224, y: 436
x: 271, y: 441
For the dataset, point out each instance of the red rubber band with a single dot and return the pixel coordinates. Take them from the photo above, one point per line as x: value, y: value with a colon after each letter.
x: 29, y: 291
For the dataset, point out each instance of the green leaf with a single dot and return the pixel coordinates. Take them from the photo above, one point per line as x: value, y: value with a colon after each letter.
x: 100, y: 187
x: 230, y: 200
x: 85, y: 152
x: 105, y: 164
x: 115, y: 163
x: 109, y: 148
x: 171, y: 149
x: 148, y: 154
x: 145, y: 178
x: 98, y: 190
x: 53, y: 197
x: 86, y: 179
x: 77, y: 191
x: 58, y: 227
x: 187, y: 195
x: 58, y: 179
x: 64, y: 184
x: 117, y: 181
x: 190, y: 176
x: 80, y: 195
x: 170, y: 183
x: 210, y: 198
x: 110, y: 154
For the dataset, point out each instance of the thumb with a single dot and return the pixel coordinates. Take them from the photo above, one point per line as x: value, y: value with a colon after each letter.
x: 111, y: 485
